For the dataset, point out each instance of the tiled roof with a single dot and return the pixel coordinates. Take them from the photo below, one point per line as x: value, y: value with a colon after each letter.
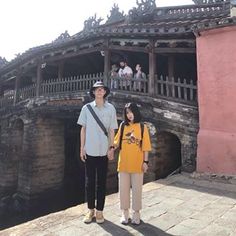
x: 162, y: 21
x: 213, y: 24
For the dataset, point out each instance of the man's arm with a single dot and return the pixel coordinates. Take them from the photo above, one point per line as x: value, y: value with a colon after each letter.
x: 82, y: 143
x: 111, y: 149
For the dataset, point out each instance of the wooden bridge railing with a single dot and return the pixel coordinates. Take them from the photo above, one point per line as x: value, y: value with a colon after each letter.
x: 169, y: 88
x: 26, y: 92
x: 131, y: 84
x: 70, y: 84
x: 177, y: 89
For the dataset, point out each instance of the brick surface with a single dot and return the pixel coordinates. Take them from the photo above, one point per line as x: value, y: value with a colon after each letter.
x: 174, y: 206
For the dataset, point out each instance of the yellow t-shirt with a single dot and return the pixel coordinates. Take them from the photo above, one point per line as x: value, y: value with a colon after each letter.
x: 131, y: 155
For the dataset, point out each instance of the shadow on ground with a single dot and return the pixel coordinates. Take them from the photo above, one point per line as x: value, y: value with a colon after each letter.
x: 143, y: 228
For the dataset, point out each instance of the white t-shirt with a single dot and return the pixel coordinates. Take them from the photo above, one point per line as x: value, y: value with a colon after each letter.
x: 126, y: 71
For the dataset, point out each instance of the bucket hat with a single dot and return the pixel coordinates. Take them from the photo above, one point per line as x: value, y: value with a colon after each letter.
x: 96, y: 85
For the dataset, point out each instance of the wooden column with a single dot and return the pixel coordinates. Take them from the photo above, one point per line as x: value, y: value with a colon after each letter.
x: 16, y: 89
x: 61, y: 69
x: 107, y: 64
x: 38, y: 79
x: 171, y: 66
x: 1, y: 90
x: 152, y: 68
x: 171, y: 74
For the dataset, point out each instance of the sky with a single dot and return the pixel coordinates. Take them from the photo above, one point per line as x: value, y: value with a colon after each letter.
x: 30, y: 23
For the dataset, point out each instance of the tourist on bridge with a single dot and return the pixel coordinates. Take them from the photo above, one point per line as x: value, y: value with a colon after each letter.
x: 125, y: 73
x: 134, y: 143
x: 139, y: 75
x: 98, y: 121
x: 114, y: 76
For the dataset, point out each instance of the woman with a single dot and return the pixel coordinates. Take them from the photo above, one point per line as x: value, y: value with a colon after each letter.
x: 134, y: 142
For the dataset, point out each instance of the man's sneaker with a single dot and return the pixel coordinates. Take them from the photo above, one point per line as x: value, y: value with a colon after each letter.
x: 136, y: 218
x: 124, y: 217
x: 99, y: 217
x: 89, y: 217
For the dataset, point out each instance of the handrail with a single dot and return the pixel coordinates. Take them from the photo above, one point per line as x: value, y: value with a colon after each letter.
x: 176, y: 89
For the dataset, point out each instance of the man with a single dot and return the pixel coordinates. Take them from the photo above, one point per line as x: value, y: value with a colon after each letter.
x: 96, y: 148
x: 125, y: 72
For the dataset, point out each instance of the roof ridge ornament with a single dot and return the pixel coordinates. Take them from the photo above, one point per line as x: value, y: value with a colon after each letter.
x: 62, y: 37
x: 144, y: 11
x: 3, y: 61
x: 92, y: 22
x: 115, y: 14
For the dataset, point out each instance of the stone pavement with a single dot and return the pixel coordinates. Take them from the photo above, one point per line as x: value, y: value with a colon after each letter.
x: 178, y: 205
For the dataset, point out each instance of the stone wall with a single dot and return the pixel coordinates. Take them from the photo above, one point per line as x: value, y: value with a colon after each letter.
x: 10, y: 154
x: 35, y: 166
x: 41, y: 169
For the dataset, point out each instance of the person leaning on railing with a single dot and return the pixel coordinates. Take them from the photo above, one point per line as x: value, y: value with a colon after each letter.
x: 138, y: 86
x: 114, y: 75
x: 125, y: 72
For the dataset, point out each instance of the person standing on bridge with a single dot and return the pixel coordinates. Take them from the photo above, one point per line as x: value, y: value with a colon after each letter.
x: 96, y: 147
x: 134, y: 143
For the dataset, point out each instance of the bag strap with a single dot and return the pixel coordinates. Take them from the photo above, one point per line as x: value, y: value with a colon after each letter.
x: 97, y: 119
x: 122, y: 126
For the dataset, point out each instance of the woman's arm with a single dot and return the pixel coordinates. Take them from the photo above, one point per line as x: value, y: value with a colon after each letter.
x: 145, y: 162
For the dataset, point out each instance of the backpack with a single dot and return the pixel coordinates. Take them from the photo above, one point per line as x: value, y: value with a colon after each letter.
x: 122, y: 126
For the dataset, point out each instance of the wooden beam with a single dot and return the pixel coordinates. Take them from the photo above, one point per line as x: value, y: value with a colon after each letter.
x: 175, y: 50
x: 73, y: 54
x: 190, y: 41
x: 129, y: 48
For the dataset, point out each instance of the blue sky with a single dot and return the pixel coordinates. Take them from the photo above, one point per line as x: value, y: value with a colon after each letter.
x: 30, y: 23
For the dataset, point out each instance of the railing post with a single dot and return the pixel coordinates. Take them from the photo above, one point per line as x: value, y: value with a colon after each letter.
x: 38, y: 79
x: 107, y: 63
x: 152, y: 68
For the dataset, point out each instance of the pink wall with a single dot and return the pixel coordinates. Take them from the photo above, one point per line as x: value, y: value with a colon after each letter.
x: 216, y: 58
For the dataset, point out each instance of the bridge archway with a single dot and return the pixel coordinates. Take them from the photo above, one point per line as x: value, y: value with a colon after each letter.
x: 168, y: 154
x: 74, y: 172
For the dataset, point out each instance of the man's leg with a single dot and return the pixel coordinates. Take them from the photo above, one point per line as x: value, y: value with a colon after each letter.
x: 90, y: 180
x: 102, y: 163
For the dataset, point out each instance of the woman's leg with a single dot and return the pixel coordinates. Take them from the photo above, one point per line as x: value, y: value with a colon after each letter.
x: 124, y: 190
x: 137, y: 185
